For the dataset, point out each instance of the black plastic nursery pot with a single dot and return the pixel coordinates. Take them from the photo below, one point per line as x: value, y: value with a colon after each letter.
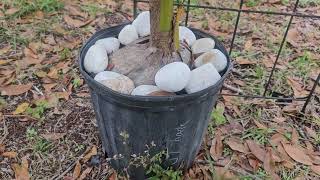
x: 133, y: 126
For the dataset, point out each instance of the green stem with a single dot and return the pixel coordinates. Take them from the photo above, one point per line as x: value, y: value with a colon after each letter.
x: 166, y: 15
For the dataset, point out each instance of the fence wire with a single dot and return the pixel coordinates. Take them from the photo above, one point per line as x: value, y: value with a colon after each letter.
x: 239, y: 11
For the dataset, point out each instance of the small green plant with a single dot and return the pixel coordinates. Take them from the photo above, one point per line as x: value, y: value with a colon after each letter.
x: 76, y: 82
x: 38, y: 110
x: 38, y: 143
x: 258, y: 134
x: 79, y: 147
x: 252, y: 3
x: 218, y: 117
x: 65, y: 54
x: 157, y: 172
x: 26, y: 6
x: 31, y: 133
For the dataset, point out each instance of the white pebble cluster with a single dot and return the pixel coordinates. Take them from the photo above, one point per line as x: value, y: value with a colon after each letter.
x: 171, y: 78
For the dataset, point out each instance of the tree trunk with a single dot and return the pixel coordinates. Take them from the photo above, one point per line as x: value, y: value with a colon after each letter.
x: 161, y: 20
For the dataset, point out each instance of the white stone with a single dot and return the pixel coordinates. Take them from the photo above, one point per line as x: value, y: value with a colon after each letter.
x: 121, y: 84
x: 144, y: 90
x: 104, y: 75
x: 110, y: 44
x: 215, y: 57
x: 128, y: 34
x: 173, y: 77
x: 187, y: 35
x: 142, y: 23
x: 202, y: 45
x: 96, y: 59
x: 202, y: 78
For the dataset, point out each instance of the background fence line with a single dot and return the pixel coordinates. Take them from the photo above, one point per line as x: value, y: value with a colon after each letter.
x: 292, y: 14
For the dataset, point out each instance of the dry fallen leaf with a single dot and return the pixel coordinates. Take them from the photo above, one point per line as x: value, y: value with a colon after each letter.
x: 298, y: 154
x: 294, y: 137
x: 311, y: 132
x: 277, y: 138
x: 236, y: 145
x: 216, y: 149
x: 75, y: 11
x: 85, y: 173
x: 256, y: 150
x: 269, y: 165
x: 75, y: 22
x: 21, y: 171
x: 316, y: 169
x: 91, y: 153
x: 11, y: 11
x: 77, y: 170
x: 21, y: 108
x: 53, y: 136
x: 29, y: 53
x: 243, y: 61
x: 10, y: 154
x: 292, y: 37
x: 259, y: 124
x: 13, y: 90
x: 298, y: 91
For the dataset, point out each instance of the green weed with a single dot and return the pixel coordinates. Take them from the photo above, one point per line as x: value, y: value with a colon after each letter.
x: 65, y: 54
x: 252, y: 3
x: 38, y: 110
x: 26, y: 6
x: 76, y: 82
x: 157, y: 172
x: 38, y: 143
x: 259, y: 135
x: 218, y: 117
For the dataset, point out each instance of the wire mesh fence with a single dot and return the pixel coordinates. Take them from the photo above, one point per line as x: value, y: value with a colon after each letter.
x: 293, y: 13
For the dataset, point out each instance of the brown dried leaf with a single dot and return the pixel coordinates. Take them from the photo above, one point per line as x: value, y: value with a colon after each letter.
x: 161, y: 93
x: 11, y: 11
x: 30, y: 53
x: 256, y: 150
x: 243, y: 61
x: 48, y: 87
x: 53, y: 136
x: 85, y: 173
x: 10, y: 154
x: 279, y: 119
x: 13, y: 90
x: 75, y: 22
x: 2, y: 146
x: 254, y: 163
x: 92, y: 152
x: 311, y: 132
x: 293, y: 35
x: 259, y: 124
x: 236, y: 145
x: 217, y: 146
x: 298, y: 154
x: 277, y: 138
x: 248, y: 45
x: 75, y: 11
x: 316, y: 169
x: 21, y: 171
x: 294, y: 137
x: 296, y: 87
x: 77, y: 170
x: 269, y: 165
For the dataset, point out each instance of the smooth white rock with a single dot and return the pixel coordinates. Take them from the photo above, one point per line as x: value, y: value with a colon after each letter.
x: 202, y: 78
x: 144, y: 90
x: 96, y: 59
x: 215, y: 57
x: 121, y: 84
x: 104, y: 75
x: 202, y: 45
x: 128, y: 34
x: 187, y: 35
x: 142, y: 23
x: 110, y: 44
x: 173, y: 77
